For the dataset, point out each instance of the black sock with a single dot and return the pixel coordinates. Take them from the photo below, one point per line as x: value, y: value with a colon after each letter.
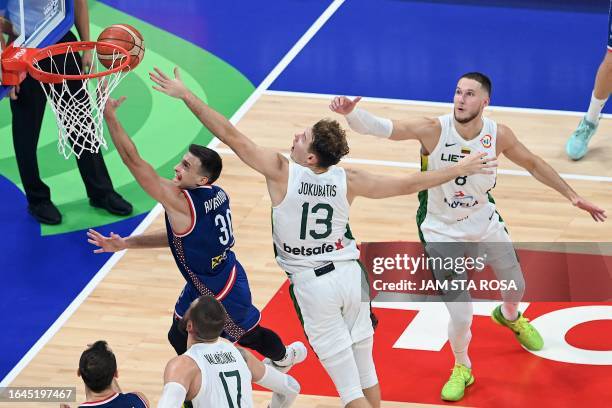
x: 265, y: 342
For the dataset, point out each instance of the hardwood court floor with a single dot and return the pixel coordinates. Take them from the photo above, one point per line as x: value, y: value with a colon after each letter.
x: 132, y: 307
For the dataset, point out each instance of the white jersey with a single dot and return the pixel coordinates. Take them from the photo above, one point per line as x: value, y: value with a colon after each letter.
x: 226, y: 379
x: 456, y: 200
x: 310, y: 227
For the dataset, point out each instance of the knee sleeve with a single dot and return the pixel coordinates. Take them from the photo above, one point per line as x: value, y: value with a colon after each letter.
x: 265, y: 342
x: 342, y: 369
x: 459, y: 338
x: 514, y: 274
x: 460, y: 315
x: 177, y: 337
x: 362, y: 351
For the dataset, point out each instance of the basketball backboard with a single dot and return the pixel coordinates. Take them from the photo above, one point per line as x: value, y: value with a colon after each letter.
x: 34, y: 23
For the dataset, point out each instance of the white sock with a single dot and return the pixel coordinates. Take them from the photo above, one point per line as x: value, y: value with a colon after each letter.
x: 285, y: 387
x: 595, y: 108
x: 287, y: 360
x: 510, y: 311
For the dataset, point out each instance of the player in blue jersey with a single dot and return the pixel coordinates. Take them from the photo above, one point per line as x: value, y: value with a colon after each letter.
x: 578, y: 143
x: 199, y: 234
x: 98, y: 369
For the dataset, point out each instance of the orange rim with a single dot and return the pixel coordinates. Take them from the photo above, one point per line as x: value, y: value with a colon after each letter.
x: 76, y: 46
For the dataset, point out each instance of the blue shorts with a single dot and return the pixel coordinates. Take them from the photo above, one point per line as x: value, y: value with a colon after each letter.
x: 231, y: 288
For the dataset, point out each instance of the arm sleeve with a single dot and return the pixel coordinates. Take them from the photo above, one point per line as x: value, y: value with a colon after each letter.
x: 172, y: 396
x: 362, y: 121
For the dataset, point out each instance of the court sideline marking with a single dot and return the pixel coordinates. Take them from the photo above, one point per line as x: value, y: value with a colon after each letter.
x: 510, y: 109
x: 148, y: 220
x: 413, y: 165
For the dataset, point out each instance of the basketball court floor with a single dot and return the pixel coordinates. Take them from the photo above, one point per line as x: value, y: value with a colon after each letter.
x: 273, y: 68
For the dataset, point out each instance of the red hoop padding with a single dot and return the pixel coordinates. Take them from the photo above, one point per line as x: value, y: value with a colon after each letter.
x: 16, y: 61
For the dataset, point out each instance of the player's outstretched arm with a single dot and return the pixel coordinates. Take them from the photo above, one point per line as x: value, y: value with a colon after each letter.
x: 366, y: 123
x: 362, y: 183
x: 115, y: 242
x: 268, y: 162
x: 157, y: 187
x: 517, y: 152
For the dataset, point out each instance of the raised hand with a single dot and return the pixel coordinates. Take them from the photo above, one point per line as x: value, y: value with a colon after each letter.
x: 14, y: 92
x: 112, y: 105
x: 598, y: 214
x: 343, y: 105
x: 86, y: 61
x: 171, y: 87
x: 112, y: 243
x: 477, y: 163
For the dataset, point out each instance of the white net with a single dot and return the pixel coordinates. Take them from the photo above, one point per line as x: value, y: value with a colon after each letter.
x: 78, y: 104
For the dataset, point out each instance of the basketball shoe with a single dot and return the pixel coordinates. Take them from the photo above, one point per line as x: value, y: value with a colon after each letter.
x: 578, y: 143
x: 296, y: 353
x: 461, y: 378
x: 524, y: 331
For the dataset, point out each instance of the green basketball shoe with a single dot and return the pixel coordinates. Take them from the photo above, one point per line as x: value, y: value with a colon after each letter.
x: 460, y: 379
x: 525, y: 333
x: 578, y: 143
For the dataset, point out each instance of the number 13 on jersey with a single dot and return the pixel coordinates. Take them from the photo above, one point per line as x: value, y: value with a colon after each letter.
x: 324, y: 213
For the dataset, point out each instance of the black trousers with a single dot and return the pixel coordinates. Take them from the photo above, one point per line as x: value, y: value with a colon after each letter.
x: 261, y: 339
x: 28, y: 111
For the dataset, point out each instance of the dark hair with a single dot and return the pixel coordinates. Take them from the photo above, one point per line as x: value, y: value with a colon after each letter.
x: 207, y: 316
x: 98, y: 366
x: 482, y: 79
x: 328, y: 142
x: 210, y: 161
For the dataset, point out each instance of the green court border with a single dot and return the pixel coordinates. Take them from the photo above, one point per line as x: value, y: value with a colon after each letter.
x: 161, y: 127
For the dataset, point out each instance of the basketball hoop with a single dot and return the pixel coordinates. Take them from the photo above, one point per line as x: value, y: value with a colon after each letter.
x: 77, y: 101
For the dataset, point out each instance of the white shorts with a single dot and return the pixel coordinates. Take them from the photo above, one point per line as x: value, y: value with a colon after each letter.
x: 334, y: 308
x: 481, y: 235
x: 484, y: 225
x: 482, y: 232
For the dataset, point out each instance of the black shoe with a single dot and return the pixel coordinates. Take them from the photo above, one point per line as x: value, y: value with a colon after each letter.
x: 45, y: 213
x: 113, y: 203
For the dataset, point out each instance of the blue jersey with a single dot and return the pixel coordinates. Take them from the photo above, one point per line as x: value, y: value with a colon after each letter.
x: 205, y: 248
x: 203, y: 255
x: 117, y: 400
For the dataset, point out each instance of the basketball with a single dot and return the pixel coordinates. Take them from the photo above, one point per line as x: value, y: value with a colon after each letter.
x: 124, y: 36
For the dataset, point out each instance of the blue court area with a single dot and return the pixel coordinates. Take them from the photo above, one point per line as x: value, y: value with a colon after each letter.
x: 539, y: 55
